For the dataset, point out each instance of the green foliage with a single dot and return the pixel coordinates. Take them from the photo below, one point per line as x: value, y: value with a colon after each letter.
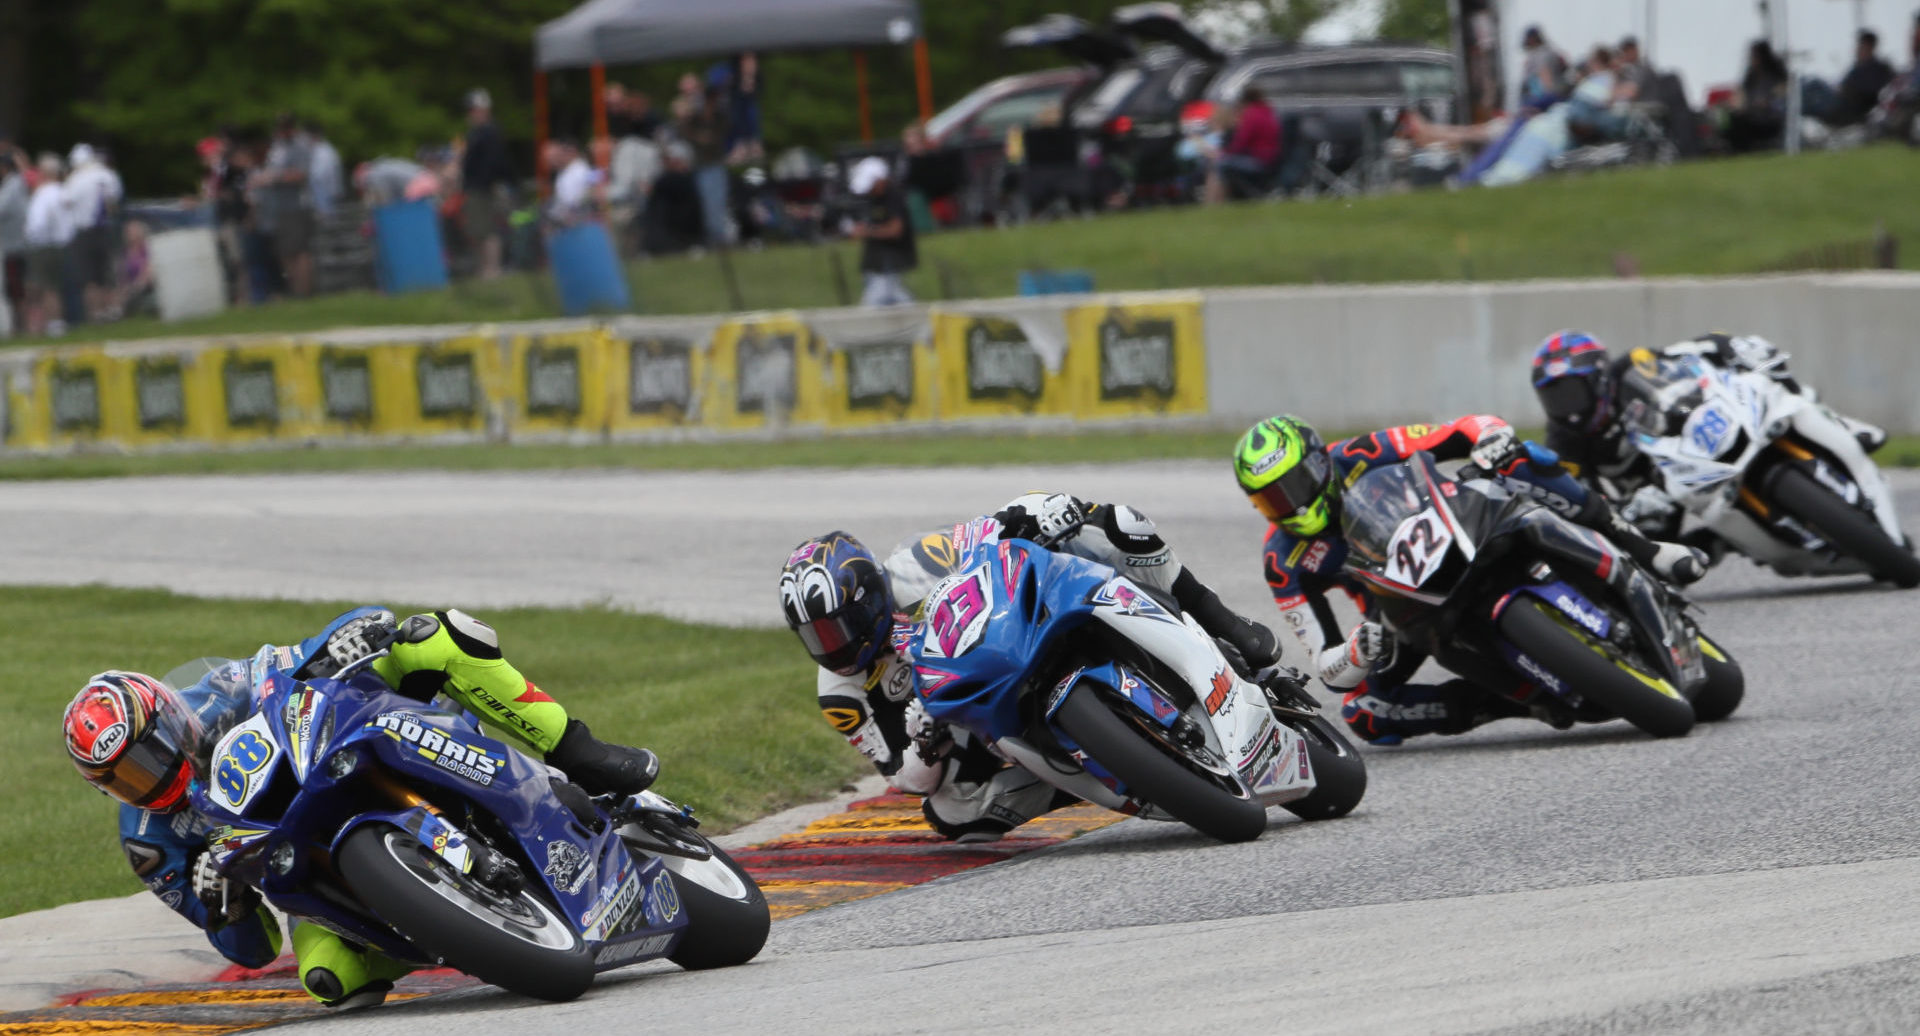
x: 1422, y: 21
x: 731, y: 712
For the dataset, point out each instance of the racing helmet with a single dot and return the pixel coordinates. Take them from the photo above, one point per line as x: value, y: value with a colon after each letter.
x: 1284, y: 469
x: 836, y: 599
x: 133, y: 738
x: 1570, y: 377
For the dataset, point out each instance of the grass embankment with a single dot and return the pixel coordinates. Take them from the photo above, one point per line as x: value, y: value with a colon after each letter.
x: 731, y: 712
x: 1727, y: 216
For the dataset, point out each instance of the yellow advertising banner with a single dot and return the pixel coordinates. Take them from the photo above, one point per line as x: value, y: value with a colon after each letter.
x: 656, y: 380
x: 422, y: 389
x: 990, y: 368
x: 879, y: 381
x: 1137, y: 358
x: 266, y: 390
x: 764, y: 371
x: 557, y: 381
x: 161, y: 397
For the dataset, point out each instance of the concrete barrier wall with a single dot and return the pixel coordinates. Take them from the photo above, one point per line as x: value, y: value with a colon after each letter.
x: 1353, y: 357
x: 1343, y: 357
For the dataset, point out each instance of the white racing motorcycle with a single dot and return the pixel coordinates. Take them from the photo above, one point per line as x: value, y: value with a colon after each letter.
x: 1777, y: 476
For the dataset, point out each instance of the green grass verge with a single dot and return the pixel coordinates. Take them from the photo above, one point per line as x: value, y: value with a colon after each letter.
x: 731, y: 712
x: 859, y: 451
x: 1726, y: 216
x: 898, y: 451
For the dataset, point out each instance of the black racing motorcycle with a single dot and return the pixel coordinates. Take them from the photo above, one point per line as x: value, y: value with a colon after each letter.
x: 1489, y: 580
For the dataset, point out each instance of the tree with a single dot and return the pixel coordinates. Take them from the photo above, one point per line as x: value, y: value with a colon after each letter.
x: 1421, y: 21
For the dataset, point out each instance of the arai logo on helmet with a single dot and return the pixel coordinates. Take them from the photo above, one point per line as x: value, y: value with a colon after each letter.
x: 109, y: 742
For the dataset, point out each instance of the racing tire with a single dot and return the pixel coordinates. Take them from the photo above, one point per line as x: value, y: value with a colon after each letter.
x: 1725, y: 687
x: 1600, y: 678
x: 727, y: 915
x: 1340, y: 774
x: 1124, y: 751
x: 521, y: 944
x: 1846, y: 527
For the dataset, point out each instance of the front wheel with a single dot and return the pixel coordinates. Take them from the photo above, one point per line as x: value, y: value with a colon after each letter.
x: 1849, y: 529
x: 727, y: 915
x: 1726, y: 685
x: 1151, y: 771
x: 517, y: 942
x: 1595, y: 673
x: 1340, y: 775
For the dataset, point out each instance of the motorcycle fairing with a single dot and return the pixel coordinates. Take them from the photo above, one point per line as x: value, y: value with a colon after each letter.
x: 595, y: 882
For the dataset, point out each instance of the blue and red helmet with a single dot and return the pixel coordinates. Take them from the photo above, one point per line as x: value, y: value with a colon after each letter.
x: 1570, y: 377
x: 835, y: 597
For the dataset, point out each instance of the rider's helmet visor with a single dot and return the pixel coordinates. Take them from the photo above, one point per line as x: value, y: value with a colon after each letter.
x: 1568, y: 398
x: 1296, y: 490
x: 836, y: 640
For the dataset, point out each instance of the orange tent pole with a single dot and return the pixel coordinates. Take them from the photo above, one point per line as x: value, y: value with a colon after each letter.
x: 540, y: 132
x: 599, y: 106
x: 860, y: 87
x: 923, y: 76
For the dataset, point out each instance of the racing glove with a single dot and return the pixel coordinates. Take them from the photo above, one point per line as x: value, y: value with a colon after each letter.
x: 1496, y: 448
x: 1345, y: 665
x: 1651, y: 511
x: 1048, y: 522
x: 931, y: 738
x: 226, y: 900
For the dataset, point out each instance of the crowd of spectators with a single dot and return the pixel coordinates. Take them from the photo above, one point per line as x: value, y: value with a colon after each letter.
x: 1613, y: 96
x: 60, y: 234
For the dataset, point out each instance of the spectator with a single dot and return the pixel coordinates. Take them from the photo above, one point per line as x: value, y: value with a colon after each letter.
x: 49, y: 230
x: 704, y: 128
x: 614, y: 99
x: 1860, y: 88
x: 887, y: 252
x: 1632, y: 68
x: 92, y: 194
x: 135, y: 291
x: 1245, y: 165
x: 324, y: 175
x: 384, y: 181
x: 486, y: 177
x: 13, y: 235
x: 265, y: 278
x: 1761, y: 111
x: 671, y: 222
x: 743, y: 123
x: 642, y: 121
x: 1591, y: 113
x: 1543, y: 73
x: 576, y: 184
x: 284, y: 205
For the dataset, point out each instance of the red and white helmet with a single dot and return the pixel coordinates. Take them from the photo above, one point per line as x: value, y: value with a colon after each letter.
x: 133, y: 738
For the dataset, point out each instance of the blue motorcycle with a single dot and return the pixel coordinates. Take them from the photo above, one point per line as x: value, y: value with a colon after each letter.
x: 1078, y: 674
x: 404, y: 827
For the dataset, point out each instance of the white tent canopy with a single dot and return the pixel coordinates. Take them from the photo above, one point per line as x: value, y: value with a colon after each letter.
x: 628, y: 32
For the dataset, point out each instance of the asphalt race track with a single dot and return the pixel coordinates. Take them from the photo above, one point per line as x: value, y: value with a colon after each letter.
x: 1757, y: 876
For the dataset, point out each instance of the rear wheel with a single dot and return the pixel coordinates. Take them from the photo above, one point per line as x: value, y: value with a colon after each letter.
x: 1726, y: 685
x: 1849, y: 529
x: 1151, y: 772
x: 517, y: 942
x: 1340, y: 775
x: 1596, y: 673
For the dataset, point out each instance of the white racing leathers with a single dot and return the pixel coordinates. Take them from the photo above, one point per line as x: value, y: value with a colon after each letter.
x: 972, y: 794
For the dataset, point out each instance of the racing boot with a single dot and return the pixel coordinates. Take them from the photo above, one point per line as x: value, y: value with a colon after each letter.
x: 1676, y: 563
x: 339, y: 974
x: 602, y: 768
x: 1871, y: 437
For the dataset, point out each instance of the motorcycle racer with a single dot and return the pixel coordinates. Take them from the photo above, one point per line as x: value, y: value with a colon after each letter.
x: 1295, y: 481
x: 852, y: 613
x: 1578, y: 386
x: 144, y: 743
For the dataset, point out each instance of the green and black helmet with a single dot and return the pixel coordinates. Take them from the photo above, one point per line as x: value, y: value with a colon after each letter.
x: 1284, y: 469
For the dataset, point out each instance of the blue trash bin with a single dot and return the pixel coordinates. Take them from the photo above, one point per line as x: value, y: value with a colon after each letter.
x: 406, y: 237
x: 1055, y: 282
x: 587, y: 272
